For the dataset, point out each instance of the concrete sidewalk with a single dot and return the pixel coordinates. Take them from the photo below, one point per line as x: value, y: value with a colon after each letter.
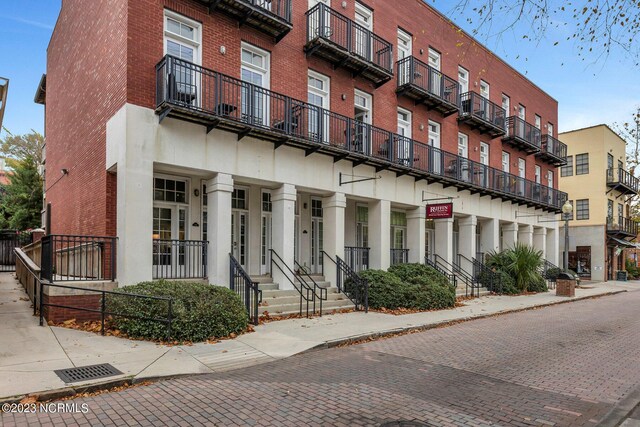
x: 29, y: 353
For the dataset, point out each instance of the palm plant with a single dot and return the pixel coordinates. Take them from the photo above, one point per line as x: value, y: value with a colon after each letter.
x: 522, y: 262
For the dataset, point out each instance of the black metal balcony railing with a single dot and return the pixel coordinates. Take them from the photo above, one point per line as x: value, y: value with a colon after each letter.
x: 621, y: 180
x: 357, y: 258
x: 425, y: 84
x: 399, y: 256
x: 272, y: 17
x: 66, y: 258
x: 480, y: 113
x: 553, y: 151
x: 179, y: 259
x: 197, y: 94
x: 622, y: 226
x: 345, y: 43
x: 522, y: 135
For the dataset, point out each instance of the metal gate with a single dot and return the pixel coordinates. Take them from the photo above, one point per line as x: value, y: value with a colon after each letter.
x: 9, y: 240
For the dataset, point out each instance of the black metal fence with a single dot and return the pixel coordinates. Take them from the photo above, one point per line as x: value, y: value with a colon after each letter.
x: 9, y: 240
x: 348, y: 281
x: 179, y: 259
x: 554, y: 147
x: 622, y: 225
x: 621, y: 176
x: 412, y: 71
x: 326, y: 23
x: 247, y: 289
x: 357, y: 258
x: 181, y: 84
x: 78, y: 258
x: 453, y: 280
x: 518, y: 128
x: 279, y: 8
x: 399, y: 256
x: 474, y: 104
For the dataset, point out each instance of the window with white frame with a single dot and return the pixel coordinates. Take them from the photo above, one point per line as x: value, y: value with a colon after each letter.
x: 404, y: 44
x: 463, y: 145
x: 404, y: 122
x: 463, y: 79
x: 484, y: 153
x: 538, y: 121
x: 538, y: 174
x: 255, y: 69
x: 434, y: 134
x: 550, y: 179
x: 550, y: 128
x: 505, y: 161
x: 506, y: 103
x: 182, y: 39
x: 434, y: 59
x: 364, y: 17
x: 318, y: 94
x: 484, y: 89
x: 522, y: 112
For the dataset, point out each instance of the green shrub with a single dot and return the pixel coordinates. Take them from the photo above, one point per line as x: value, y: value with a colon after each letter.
x: 499, y: 282
x: 430, y: 296
x: 199, y: 311
x: 632, y: 269
x: 521, y: 262
x: 419, y: 274
x: 386, y: 290
x: 537, y: 284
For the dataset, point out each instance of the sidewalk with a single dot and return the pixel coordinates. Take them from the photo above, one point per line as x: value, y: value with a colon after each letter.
x: 29, y: 353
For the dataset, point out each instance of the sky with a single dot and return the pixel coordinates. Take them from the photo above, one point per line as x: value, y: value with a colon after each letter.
x: 588, y: 93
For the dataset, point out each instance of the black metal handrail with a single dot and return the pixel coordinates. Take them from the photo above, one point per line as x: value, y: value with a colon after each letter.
x: 554, y: 147
x: 399, y: 256
x: 486, y: 277
x: 474, y: 104
x: 357, y: 258
x: 219, y: 96
x: 307, y: 292
x: 179, y: 259
x: 464, y: 276
x: 245, y: 288
x: 453, y: 280
x: 622, y: 224
x: 319, y: 293
x: 350, y: 283
x: 519, y: 128
x: 9, y: 240
x: 278, y: 8
x: 549, y: 272
x: 624, y: 178
x: 78, y: 258
x: 328, y: 24
x: 412, y: 71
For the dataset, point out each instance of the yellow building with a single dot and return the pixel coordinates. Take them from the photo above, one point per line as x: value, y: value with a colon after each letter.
x: 600, y: 189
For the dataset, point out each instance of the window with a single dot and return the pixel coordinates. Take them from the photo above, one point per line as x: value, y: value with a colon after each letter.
x: 463, y: 145
x: 363, y: 102
x: 434, y: 134
x: 522, y: 112
x: 506, y: 103
x: 522, y: 167
x: 620, y: 212
x: 239, y: 199
x: 538, y: 174
x: 550, y: 129
x: 463, y: 79
x: 538, y: 121
x: 404, y: 122
x: 582, y: 164
x: 398, y: 218
x: 568, y: 169
x: 609, y: 161
x: 582, y: 209
x: 434, y: 59
x: 318, y: 95
x: 404, y: 44
x: 505, y: 161
x: 169, y: 190
x: 316, y: 208
x: 484, y: 89
x: 255, y: 70
x: 484, y: 153
x: 610, y: 208
x: 364, y: 17
x: 550, y: 179
x: 181, y: 37
x: 266, y: 201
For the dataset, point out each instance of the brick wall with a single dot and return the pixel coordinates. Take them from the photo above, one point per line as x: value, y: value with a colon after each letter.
x: 58, y: 314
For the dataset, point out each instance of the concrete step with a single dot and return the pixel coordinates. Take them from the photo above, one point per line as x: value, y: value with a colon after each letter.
x: 286, y: 309
x: 263, y: 278
x: 461, y: 291
x: 271, y: 293
x: 268, y: 286
x: 279, y: 299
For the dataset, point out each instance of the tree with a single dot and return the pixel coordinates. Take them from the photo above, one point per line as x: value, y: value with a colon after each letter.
x: 21, y: 200
x: 596, y: 26
x: 21, y: 147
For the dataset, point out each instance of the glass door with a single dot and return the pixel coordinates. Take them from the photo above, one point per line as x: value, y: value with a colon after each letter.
x: 255, y: 75
x: 364, y: 17
x: 169, y: 229
x: 239, y: 225
x: 266, y: 226
x: 316, y: 236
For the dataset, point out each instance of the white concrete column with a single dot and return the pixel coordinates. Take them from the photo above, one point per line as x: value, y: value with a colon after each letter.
x: 467, y: 243
x: 283, y: 213
x: 509, y: 235
x: 219, y: 191
x: 553, y: 250
x: 490, y: 236
x: 380, y: 234
x: 416, y: 234
x: 444, y: 239
x: 540, y: 240
x: 525, y: 234
x: 333, y: 212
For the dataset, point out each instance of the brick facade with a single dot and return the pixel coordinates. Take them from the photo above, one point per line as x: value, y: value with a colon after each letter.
x: 59, y: 314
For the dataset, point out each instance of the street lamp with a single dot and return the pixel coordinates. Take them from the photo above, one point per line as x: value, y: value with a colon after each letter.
x: 567, y: 211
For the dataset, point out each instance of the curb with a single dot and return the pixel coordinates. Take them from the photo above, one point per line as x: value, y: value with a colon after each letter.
x: 621, y: 411
x: 128, y: 381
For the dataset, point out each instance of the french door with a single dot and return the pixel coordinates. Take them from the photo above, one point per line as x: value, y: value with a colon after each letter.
x: 239, y: 232
x: 316, y: 236
x: 255, y: 74
x: 363, y: 39
x: 169, y: 226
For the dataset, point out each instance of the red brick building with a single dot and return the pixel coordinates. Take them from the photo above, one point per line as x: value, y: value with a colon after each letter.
x: 267, y: 107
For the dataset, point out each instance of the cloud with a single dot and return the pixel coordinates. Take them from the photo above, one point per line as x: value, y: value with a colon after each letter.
x: 28, y: 22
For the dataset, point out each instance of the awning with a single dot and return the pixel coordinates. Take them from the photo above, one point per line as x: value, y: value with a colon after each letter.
x: 619, y: 242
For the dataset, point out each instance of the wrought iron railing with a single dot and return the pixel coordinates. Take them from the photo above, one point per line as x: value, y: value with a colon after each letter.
x: 399, y: 256
x: 306, y: 290
x: 485, y: 276
x: 245, y: 288
x: 278, y: 8
x: 78, y: 258
x: 518, y: 128
x: 622, y: 225
x: 461, y: 275
x: 179, y: 259
x: 553, y: 147
x: 453, y: 280
x: 412, y: 71
x: 9, y: 240
x: 474, y: 104
x: 622, y: 177
x: 319, y: 293
x: 357, y: 258
x: 550, y: 273
x: 350, y: 283
x: 328, y: 24
x: 202, y: 92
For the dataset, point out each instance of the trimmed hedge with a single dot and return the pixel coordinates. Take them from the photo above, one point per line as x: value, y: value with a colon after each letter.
x: 200, y: 311
x: 411, y: 286
x: 538, y: 285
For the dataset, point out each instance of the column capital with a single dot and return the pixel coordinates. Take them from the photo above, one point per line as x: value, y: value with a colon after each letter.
x: 525, y: 228
x: 468, y: 221
x: 419, y: 212
x: 220, y: 182
x: 443, y: 220
x: 511, y: 226
x: 539, y: 231
x: 285, y: 192
x: 336, y: 200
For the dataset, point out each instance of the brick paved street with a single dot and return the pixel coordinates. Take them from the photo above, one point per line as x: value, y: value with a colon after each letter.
x: 563, y: 365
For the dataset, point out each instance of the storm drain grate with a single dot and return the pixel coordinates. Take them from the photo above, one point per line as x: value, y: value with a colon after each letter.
x: 84, y: 373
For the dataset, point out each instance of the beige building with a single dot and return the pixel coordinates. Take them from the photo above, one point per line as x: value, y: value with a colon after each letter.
x: 600, y: 189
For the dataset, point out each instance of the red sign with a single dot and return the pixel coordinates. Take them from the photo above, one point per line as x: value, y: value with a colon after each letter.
x: 440, y: 210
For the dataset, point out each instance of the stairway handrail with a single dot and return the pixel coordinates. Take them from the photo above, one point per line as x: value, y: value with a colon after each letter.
x: 310, y: 296
x: 318, y: 291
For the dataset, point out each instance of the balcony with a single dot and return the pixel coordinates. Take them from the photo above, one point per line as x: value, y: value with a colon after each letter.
x: 621, y: 227
x: 357, y: 258
x: 552, y: 151
x: 426, y: 85
x: 344, y: 43
x: 481, y: 114
x: 189, y: 92
x: 620, y: 180
x: 272, y: 17
x: 522, y: 135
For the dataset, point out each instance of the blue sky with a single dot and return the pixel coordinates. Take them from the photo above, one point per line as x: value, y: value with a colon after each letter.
x: 588, y: 94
